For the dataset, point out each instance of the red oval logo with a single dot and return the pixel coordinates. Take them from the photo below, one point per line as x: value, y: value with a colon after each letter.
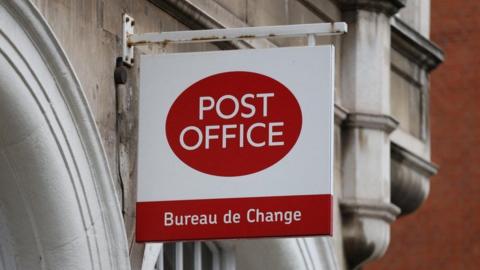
x: 233, y: 123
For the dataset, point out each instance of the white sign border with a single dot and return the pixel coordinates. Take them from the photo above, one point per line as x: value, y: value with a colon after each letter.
x: 163, y: 177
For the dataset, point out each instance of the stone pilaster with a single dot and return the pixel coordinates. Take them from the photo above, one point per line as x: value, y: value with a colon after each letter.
x: 366, y: 205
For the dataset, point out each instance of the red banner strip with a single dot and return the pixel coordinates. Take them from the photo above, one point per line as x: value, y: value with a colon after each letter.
x: 281, y: 216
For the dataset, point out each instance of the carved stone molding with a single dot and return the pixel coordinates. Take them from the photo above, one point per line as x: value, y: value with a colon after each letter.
x: 366, y: 229
x: 371, y: 121
x: 56, y: 190
x: 410, y: 179
x: 415, y: 46
x: 389, y: 7
x: 340, y: 114
x: 369, y: 208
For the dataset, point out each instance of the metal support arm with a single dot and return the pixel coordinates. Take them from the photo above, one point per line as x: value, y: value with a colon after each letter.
x: 228, y: 34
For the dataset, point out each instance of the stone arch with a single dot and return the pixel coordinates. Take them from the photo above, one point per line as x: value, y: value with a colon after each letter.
x: 58, y: 206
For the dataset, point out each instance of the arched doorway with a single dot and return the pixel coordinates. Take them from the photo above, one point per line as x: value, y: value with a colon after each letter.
x: 58, y: 208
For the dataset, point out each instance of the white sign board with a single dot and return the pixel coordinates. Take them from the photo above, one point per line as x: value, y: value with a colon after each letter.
x: 235, y: 144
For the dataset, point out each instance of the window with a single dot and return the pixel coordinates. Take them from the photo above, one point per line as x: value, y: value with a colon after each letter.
x: 189, y: 256
x: 407, y: 95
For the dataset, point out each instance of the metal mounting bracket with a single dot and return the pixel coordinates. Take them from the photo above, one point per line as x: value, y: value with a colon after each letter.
x: 130, y: 39
x: 127, y: 50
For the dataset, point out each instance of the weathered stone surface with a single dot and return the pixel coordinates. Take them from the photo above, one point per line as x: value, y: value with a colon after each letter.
x: 388, y: 7
x: 89, y: 31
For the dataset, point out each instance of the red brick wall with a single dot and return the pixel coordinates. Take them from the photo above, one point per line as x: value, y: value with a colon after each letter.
x: 445, y: 232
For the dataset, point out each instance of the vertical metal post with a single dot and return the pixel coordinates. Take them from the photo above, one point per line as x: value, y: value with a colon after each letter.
x: 197, y: 255
x: 311, y: 40
x: 179, y: 256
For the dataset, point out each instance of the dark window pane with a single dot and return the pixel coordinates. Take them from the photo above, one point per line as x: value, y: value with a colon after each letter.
x: 169, y: 256
x: 188, y: 256
x: 207, y: 257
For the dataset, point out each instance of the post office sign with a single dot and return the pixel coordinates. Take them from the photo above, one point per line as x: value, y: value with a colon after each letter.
x: 235, y: 144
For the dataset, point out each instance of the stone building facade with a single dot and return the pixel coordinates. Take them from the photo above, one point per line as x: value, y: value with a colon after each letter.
x: 444, y: 233
x: 68, y: 130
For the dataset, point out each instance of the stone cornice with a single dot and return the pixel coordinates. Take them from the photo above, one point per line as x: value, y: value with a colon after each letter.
x: 368, y: 208
x: 410, y: 183
x: 389, y: 7
x: 415, y: 46
x: 413, y: 161
x: 371, y: 121
x: 366, y: 229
